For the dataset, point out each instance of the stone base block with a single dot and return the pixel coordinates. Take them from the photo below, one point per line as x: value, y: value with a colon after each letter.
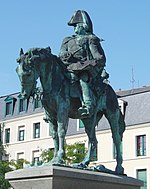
x: 55, y: 177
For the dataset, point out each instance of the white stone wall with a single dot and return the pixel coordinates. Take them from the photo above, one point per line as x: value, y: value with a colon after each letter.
x: 30, y: 145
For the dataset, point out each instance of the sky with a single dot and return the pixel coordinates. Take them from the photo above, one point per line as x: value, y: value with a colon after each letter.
x: 123, y: 24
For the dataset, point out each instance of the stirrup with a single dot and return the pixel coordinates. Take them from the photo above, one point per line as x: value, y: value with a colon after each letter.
x: 84, y: 112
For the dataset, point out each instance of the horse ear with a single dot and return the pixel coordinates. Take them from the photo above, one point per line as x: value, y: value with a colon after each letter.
x: 21, y: 51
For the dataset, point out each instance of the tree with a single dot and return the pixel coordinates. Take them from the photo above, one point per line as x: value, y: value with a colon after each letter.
x: 4, y: 168
x: 47, y: 155
x: 1, y: 150
x: 18, y: 164
x: 74, y: 153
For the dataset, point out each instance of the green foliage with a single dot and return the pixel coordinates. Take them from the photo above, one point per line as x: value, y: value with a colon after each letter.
x: 4, y: 168
x: 1, y: 149
x: 18, y: 164
x: 74, y: 153
x: 47, y: 155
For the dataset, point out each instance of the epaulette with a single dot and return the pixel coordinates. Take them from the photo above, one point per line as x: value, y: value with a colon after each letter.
x: 67, y: 39
x: 93, y: 39
x: 98, y: 38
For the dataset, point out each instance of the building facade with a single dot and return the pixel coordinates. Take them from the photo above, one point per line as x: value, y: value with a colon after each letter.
x: 25, y: 134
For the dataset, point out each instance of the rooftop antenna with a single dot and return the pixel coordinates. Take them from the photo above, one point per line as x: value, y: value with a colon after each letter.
x: 138, y: 83
x: 132, y: 78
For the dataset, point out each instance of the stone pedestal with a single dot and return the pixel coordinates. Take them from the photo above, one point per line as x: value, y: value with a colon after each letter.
x: 55, y: 177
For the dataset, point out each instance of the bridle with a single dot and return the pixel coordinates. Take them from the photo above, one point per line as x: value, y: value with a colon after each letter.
x: 29, y: 84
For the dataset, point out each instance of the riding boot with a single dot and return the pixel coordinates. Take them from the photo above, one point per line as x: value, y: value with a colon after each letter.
x: 87, y: 108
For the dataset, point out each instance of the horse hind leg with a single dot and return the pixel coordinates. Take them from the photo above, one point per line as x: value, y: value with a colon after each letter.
x: 113, y: 119
x: 91, y: 148
x: 122, y: 125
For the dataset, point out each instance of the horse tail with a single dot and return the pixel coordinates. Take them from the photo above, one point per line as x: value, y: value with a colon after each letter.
x: 122, y: 125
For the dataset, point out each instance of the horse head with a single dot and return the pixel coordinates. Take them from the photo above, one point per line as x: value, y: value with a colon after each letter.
x: 27, y: 74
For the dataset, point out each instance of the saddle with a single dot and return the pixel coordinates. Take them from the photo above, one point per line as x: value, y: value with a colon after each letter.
x: 82, y: 65
x: 97, y: 86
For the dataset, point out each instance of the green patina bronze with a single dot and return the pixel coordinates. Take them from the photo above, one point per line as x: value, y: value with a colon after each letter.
x: 74, y: 85
x: 79, y: 51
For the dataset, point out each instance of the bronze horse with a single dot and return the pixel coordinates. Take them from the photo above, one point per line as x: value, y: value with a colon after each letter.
x: 59, y: 105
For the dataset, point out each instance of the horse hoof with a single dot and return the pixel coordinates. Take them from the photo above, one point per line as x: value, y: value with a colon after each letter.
x: 84, y: 164
x: 119, y: 170
x: 57, y: 161
x: 79, y: 166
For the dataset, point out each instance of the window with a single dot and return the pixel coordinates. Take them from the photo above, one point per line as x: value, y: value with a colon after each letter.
x: 5, y: 157
x: 36, y: 130
x: 115, y: 152
x: 22, y: 105
x: 7, y: 135
x: 37, y: 102
x: 9, y: 105
x: 20, y: 159
x: 20, y: 155
x: 35, y: 157
x: 21, y: 133
x: 141, y: 145
x: 142, y: 175
x: 8, y: 108
x: 37, y: 99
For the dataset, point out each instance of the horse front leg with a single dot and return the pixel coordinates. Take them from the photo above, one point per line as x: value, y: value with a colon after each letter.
x: 62, y: 129
x: 53, y: 131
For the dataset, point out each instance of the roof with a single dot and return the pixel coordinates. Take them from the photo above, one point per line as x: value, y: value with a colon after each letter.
x: 30, y: 109
x: 137, y: 109
x: 135, y: 91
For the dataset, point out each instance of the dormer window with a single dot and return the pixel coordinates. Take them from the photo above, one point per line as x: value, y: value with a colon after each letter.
x: 9, y: 107
x: 37, y: 99
x: 122, y: 105
x: 22, y: 104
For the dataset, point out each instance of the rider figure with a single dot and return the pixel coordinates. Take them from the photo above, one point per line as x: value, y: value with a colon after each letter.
x: 84, y: 47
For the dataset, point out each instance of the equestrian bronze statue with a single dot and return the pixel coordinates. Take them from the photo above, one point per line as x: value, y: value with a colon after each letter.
x: 74, y: 85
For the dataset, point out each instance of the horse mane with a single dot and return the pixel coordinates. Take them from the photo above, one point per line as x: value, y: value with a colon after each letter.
x: 43, y: 53
x: 46, y: 55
